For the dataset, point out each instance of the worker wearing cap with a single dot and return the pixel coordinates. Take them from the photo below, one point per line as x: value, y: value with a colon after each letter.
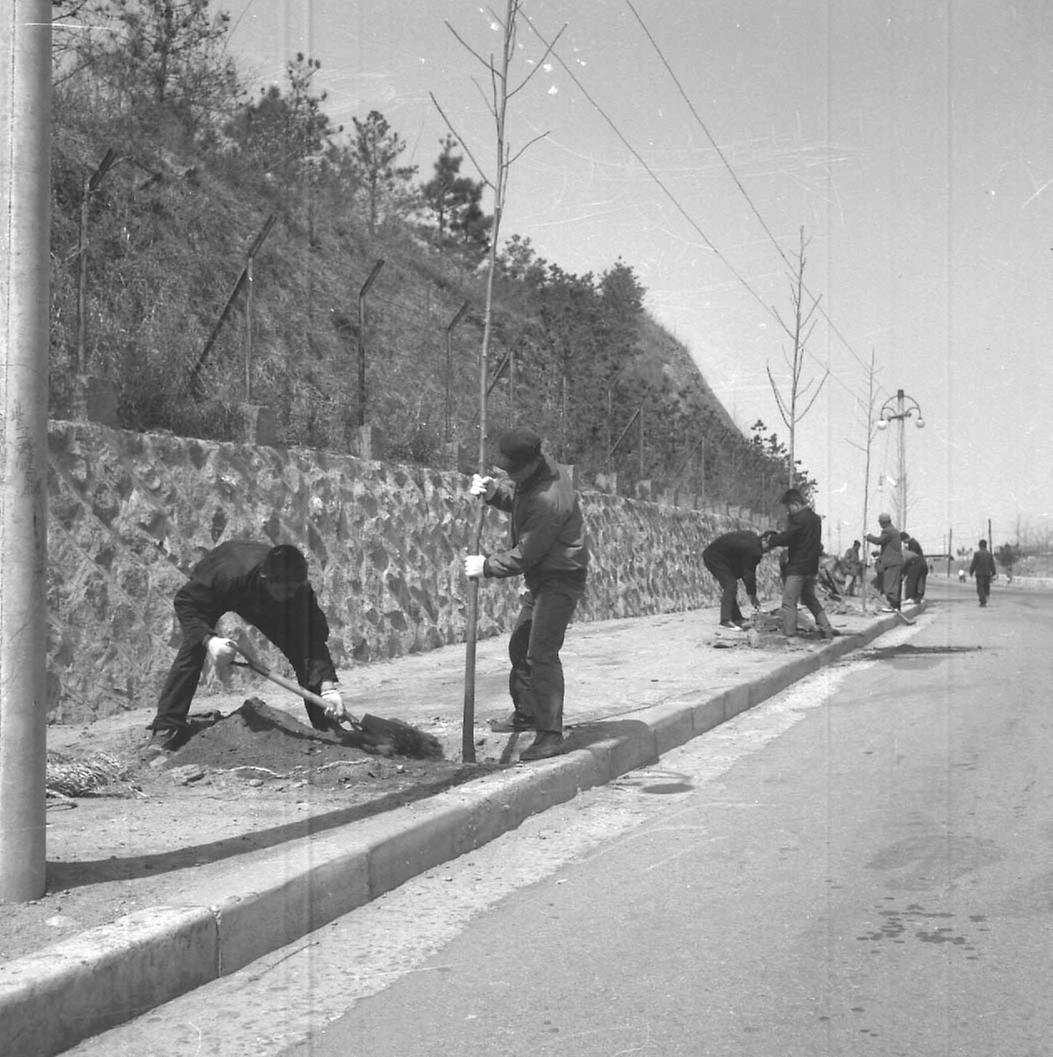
x: 802, y: 539
x: 267, y: 587
x: 549, y: 549
x: 888, y: 568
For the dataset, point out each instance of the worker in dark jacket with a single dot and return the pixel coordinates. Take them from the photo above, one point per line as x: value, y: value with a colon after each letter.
x: 802, y: 539
x: 267, y: 587
x: 915, y: 570
x: 888, y: 569
x: 730, y: 558
x: 549, y: 549
x: 983, y: 568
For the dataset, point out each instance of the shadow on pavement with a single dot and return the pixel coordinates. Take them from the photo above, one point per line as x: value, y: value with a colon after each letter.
x: 65, y: 875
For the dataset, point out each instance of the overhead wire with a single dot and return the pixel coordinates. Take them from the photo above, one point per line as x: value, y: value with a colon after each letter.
x: 666, y: 191
x: 738, y: 183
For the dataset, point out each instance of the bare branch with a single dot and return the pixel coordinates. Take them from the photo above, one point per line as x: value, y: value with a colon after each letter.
x: 460, y: 139
x: 488, y: 103
x: 467, y: 47
x: 815, y: 397
x: 526, y: 146
x: 778, y: 399
x: 540, y: 63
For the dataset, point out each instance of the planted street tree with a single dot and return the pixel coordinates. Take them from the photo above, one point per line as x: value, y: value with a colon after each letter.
x: 799, y: 330
x: 498, y: 70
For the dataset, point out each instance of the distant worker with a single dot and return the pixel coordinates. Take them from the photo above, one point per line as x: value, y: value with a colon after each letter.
x: 802, y: 539
x: 853, y: 567
x: 915, y: 570
x: 549, y: 549
x: 982, y: 567
x: 268, y: 588
x: 732, y: 557
x: 888, y: 567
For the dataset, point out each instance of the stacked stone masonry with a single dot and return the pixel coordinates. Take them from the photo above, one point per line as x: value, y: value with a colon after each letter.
x: 129, y: 515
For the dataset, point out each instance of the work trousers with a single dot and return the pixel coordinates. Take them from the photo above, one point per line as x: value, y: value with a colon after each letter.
x: 185, y: 673
x: 887, y: 582
x: 796, y: 589
x: 729, y: 587
x: 915, y: 573
x: 983, y: 587
x: 536, y: 679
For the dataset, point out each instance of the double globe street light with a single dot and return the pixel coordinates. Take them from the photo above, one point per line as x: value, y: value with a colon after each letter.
x: 898, y: 409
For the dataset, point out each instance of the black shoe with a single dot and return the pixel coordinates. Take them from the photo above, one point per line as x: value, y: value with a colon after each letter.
x: 547, y: 743
x: 167, y: 740
x: 514, y: 722
x: 828, y: 633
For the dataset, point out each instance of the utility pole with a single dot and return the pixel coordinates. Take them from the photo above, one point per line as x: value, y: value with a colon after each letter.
x: 25, y: 195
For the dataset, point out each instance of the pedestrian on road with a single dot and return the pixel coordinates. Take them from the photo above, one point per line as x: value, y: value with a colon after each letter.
x: 802, y: 539
x: 889, y: 564
x: 982, y: 567
x: 915, y: 569
x: 732, y: 557
x: 267, y: 587
x: 549, y: 549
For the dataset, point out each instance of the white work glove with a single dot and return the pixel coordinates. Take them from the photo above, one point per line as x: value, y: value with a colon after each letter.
x: 221, y: 652
x: 334, y: 703
x: 474, y: 566
x: 484, y: 486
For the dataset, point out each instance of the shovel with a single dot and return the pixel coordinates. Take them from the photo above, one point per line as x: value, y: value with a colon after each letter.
x: 399, y: 737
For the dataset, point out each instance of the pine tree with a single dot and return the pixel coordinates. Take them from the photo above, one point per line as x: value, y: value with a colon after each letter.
x: 373, y: 153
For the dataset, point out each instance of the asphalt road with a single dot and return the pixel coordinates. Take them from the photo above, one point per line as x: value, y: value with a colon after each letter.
x: 862, y: 865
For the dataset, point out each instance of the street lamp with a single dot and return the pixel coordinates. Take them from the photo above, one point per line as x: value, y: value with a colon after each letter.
x: 899, y: 409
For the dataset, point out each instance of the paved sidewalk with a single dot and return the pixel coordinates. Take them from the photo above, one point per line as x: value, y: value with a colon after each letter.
x: 635, y: 688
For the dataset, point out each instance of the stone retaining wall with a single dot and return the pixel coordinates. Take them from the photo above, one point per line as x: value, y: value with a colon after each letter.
x: 129, y: 515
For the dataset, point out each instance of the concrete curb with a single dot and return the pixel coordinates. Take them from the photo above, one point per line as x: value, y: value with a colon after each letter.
x: 82, y: 986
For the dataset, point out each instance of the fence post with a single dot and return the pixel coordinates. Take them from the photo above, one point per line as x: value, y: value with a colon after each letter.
x: 362, y: 341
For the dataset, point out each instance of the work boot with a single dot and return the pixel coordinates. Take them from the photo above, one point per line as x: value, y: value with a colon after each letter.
x: 547, y: 743
x: 167, y: 740
x: 514, y: 722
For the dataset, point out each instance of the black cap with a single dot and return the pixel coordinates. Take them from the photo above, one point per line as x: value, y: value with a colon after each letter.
x: 791, y: 495
x: 284, y: 564
x: 517, y: 448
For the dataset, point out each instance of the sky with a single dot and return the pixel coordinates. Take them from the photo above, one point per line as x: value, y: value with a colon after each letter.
x: 910, y: 141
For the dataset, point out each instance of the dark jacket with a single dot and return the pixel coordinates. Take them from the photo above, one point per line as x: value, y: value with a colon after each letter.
x: 739, y: 553
x: 891, y: 547
x: 983, y: 564
x: 227, y: 580
x: 803, y: 538
x: 547, y: 532
x: 912, y: 551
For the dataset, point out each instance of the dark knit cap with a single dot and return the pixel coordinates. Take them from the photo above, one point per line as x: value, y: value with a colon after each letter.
x: 517, y: 448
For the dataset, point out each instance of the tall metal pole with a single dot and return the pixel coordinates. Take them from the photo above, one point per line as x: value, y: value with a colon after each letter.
x: 25, y: 192
x: 902, y: 468
x: 900, y: 415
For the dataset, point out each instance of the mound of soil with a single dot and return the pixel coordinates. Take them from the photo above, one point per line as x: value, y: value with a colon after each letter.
x: 266, y: 740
